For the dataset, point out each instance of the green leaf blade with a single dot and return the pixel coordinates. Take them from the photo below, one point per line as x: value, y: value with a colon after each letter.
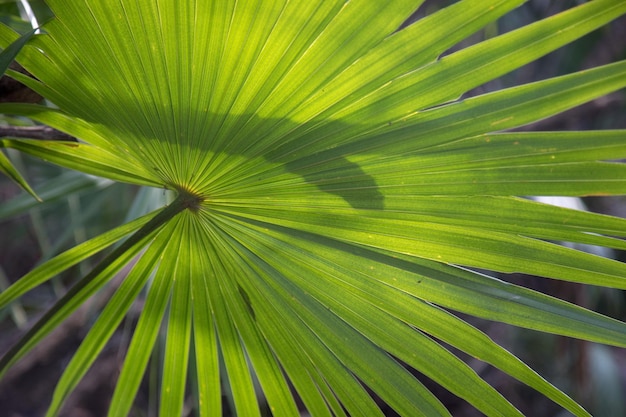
x: 145, y: 335
x: 67, y: 259
x: 7, y: 168
x: 337, y: 195
x: 107, y: 323
x: 178, y: 340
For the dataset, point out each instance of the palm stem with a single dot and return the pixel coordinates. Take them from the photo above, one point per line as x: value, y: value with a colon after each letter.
x: 182, y: 202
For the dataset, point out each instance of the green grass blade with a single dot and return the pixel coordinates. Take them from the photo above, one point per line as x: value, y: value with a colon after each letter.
x: 69, y: 258
x: 8, y: 54
x: 89, y: 285
x: 51, y: 191
x: 66, y: 305
x: 7, y: 168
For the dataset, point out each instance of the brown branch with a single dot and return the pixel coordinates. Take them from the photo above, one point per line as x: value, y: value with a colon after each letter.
x: 34, y: 132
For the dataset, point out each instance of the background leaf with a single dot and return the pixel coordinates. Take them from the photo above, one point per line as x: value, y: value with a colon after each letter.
x: 7, y: 56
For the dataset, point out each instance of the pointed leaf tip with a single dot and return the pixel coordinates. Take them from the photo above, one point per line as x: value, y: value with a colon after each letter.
x: 10, y: 171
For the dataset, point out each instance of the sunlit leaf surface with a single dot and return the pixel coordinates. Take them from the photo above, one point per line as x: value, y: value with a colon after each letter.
x: 334, y: 196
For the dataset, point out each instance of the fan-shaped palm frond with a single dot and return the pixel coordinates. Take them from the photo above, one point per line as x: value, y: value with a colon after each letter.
x: 334, y: 195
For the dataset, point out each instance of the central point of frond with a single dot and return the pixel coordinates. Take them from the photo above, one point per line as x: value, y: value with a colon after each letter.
x: 190, y: 199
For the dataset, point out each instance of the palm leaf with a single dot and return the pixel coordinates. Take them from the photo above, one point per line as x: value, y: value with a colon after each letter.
x: 6, y: 58
x: 335, y: 196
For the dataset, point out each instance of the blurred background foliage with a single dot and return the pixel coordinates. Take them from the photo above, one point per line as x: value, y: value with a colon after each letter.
x: 77, y: 207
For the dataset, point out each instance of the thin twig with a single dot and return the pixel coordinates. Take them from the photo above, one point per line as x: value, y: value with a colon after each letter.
x: 34, y: 132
